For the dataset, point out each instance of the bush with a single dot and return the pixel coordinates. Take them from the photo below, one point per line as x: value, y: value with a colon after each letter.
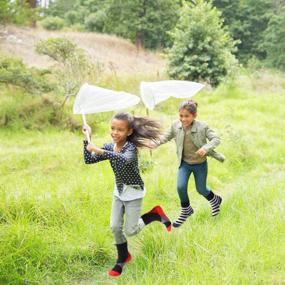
x: 71, y: 17
x: 17, y: 12
x: 53, y: 23
x: 78, y: 28
x: 274, y: 41
x: 95, y: 21
x: 202, y: 49
x: 14, y: 72
x: 75, y: 66
x: 4, y: 10
x: 59, y: 49
x: 19, y: 110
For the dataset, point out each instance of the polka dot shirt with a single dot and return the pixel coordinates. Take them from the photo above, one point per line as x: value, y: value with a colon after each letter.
x: 123, y: 163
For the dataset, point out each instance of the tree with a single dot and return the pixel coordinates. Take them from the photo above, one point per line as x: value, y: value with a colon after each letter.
x: 145, y: 22
x: 202, y: 49
x: 74, y: 66
x: 4, y: 12
x: 18, y: 12
x: 59, y: 7
x: 32, y: 4
x: 95, y: 21
x: 247, y: 20
x: 274, y: 40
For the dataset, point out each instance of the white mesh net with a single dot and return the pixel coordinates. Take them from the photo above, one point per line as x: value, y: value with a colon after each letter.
x: 153, y: 93
x: 93, y: 99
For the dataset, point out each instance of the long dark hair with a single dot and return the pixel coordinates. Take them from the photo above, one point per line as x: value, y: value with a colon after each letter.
x: 144, y: 129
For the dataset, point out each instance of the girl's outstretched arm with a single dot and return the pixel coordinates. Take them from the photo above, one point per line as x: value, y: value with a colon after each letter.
x: 167, y: 137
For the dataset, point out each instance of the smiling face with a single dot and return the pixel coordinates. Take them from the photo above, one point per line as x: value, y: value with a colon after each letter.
x: 186, y: 118
x: 120, y: 131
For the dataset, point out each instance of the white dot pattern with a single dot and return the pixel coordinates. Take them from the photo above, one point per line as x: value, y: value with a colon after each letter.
x: 123, y: 163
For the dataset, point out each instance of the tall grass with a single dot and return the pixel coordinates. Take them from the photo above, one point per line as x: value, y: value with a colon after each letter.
x: 54, y: 210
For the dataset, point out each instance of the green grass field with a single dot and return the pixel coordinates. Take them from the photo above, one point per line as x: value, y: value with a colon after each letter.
x: 54, y: 210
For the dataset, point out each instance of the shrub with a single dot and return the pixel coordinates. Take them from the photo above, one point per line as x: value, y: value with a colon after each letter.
x: 71, y: 17
x: 53, y: 23
x: 75, y: 66
x: 14, y: 72
x: 59, y: 49
x: 202, y: 49
x: 274, y: 41
x: 95, y: 21
x: 18, y: 110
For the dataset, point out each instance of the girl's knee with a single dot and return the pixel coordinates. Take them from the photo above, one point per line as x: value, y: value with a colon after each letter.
x: 202, y: 191
x: 131, y: 231
x: 116, y: 229
x: 181, y: 188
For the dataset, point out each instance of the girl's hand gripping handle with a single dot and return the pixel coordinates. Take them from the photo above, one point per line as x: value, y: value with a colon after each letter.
x: 86, y: 130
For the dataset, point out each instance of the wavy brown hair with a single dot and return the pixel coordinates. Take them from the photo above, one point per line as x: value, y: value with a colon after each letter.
x: 144, y: 129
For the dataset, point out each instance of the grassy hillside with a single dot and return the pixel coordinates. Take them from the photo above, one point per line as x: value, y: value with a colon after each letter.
x: 115, y: 55
x: 54, y: 210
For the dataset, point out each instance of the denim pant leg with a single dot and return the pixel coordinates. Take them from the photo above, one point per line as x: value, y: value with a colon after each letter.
x: 183, y: 175
x: 200, y: 172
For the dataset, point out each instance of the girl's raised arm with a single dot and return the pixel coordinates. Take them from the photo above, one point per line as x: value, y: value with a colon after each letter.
x: 92, y: 158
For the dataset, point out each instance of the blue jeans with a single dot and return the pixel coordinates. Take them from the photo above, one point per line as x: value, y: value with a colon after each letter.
x: 200, y: 172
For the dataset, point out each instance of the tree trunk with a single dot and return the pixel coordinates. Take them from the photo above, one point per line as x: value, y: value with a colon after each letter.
x: 32, y: 4
x: 139, y: 40
x: 140, y: 34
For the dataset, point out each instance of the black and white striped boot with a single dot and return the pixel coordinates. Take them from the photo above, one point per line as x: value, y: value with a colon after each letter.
x: 215, y: 202
x: 185, y: 213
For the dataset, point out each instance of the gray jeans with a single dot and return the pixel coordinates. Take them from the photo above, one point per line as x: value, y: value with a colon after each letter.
x: 133, y: 223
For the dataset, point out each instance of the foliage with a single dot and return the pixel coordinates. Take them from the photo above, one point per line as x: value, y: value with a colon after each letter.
x: 75, y: 12
x: 71, y: 17
x: 19, y: 111
x: 145, y: 164
x: 247, y: 20
x: 74, y: 64
x: 59, y: 49
x: 59, y: 7
x: 95, y: 21
x: 17, y: 12
x: 53, y: 23
x: 13, y: 71
x: 4, y: 11
x: 202, y: 49
x: 274, y: 41
x: 144, y: 22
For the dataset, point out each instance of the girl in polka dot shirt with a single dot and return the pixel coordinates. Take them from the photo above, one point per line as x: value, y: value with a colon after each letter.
x: 128, y: 133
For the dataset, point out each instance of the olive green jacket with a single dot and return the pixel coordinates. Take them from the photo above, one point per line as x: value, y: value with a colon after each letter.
x: 201, y: 135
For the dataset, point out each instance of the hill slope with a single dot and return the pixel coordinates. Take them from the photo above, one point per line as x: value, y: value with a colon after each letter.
x: 116, y: 54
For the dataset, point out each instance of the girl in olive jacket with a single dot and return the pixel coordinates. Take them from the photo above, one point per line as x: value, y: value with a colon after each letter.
x: 194, y: 142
